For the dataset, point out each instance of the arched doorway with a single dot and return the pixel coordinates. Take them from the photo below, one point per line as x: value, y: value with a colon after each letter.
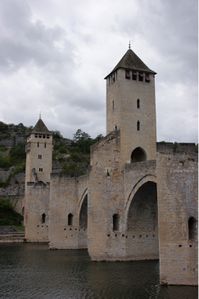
x: 83, y: 223
x: 142, y: 224
x: 138, y: 155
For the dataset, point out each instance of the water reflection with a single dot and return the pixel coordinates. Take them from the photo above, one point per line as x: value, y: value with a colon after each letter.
x: 33, y: 271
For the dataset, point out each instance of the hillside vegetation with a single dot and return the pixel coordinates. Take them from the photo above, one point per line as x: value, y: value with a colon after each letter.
x: 71, y: 157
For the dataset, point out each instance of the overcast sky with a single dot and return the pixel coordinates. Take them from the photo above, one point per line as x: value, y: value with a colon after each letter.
x: 54, y: 55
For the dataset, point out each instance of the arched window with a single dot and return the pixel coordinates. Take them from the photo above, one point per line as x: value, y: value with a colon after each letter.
x: 43, y: 218
x: 192, y: 228
x: 138, y: 125
x: 138, y: 103
x: 138, y: 155
x: 70, y: 219
x: 116, y: 218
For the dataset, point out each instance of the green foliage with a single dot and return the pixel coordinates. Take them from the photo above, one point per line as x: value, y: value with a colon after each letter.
x: 73, y: 156
x: 7, y: 214
x: 17, y: 153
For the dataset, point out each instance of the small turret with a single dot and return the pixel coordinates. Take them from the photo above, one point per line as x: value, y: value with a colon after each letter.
x: 39, y: 154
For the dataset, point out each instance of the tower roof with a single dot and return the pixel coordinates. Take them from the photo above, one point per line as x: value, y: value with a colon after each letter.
x: 131, y: 61
x: 40, y: 127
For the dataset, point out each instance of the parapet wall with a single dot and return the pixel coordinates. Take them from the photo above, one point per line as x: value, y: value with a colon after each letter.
x: 169, y: 147
x: 177, y: 202
x: 66, y: 197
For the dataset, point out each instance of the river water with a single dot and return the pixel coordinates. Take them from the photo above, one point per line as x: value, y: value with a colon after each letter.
x: 34, y: 271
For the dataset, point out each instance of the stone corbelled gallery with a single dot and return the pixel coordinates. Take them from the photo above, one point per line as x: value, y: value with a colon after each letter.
x: 139, y: 199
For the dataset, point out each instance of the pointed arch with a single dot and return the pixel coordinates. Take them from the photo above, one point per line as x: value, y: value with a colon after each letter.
x: 83, y: 213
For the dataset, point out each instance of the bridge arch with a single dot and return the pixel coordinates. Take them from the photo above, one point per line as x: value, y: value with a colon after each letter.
x: 141, y: 220
x: 83, y: 219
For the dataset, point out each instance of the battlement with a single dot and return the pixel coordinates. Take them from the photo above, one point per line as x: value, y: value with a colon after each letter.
x: 170, y: 147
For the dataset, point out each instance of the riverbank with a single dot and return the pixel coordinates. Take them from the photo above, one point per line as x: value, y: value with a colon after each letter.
x: 12, y: 234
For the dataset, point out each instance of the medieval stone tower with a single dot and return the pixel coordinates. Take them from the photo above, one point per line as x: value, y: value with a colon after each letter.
x: 39, y: 154
x: 131, y: 107
x: 37, y: 183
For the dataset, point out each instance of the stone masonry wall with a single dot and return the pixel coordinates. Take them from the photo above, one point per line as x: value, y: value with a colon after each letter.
x: 177, y: 201
x: 36, y: 204
x: 67, y: 195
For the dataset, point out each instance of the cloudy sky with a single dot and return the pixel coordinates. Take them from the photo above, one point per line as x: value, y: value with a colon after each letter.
x: 54, y: 55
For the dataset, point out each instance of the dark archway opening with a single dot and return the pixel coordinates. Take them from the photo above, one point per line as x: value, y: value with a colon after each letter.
x: 192, y: 228
x: 138, y: 155
x: 142, y: 224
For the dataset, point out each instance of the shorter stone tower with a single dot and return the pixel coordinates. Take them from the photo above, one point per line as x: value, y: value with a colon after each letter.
x: 39, y: 154
x: 37, y: 183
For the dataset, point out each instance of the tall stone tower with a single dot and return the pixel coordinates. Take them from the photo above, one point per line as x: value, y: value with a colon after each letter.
x: 39, y: 154
x: 37, y: 183
x: 131, y: 108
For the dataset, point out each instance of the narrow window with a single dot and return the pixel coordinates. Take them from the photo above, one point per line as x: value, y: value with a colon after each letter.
x: 113, y: 105
x: 48, y: 136
x: 43, y: 218
x: 40, y: 169
x: 113, y: 77
x: 141, y: 76
x: 45, y: 144
x: 147, y: 78
x: 39, y: 156
x: 138, y: 125
x: 138, y: 103
x: 70, y: 219
x: 127, y: 74
x: 134, y: 76
x: 115, y: 222
x: 44, y: 136
x: 37, y: 144
x: 40, y: 136
x: 35, y: 135
x: 115, y: 128
x: 192, y: 228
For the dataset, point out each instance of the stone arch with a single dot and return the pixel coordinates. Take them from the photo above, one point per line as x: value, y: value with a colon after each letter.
x: 80, y: 201
x: 141, y: 217
x: 139, y: 183
x: 83, y: 213
x: 83, y: 221
x: 138, y: 155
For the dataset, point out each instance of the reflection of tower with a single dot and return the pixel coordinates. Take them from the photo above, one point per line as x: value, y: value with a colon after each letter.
x: 131, y: 107
x: 39, y: 154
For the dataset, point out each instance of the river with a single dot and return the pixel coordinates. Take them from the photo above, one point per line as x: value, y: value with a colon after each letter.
x: 33, y: 271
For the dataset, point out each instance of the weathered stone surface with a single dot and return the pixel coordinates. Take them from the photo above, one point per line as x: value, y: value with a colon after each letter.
x: 139, y: 200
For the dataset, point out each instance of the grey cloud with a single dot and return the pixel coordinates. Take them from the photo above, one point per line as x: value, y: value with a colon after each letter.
x: 25, y: 41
